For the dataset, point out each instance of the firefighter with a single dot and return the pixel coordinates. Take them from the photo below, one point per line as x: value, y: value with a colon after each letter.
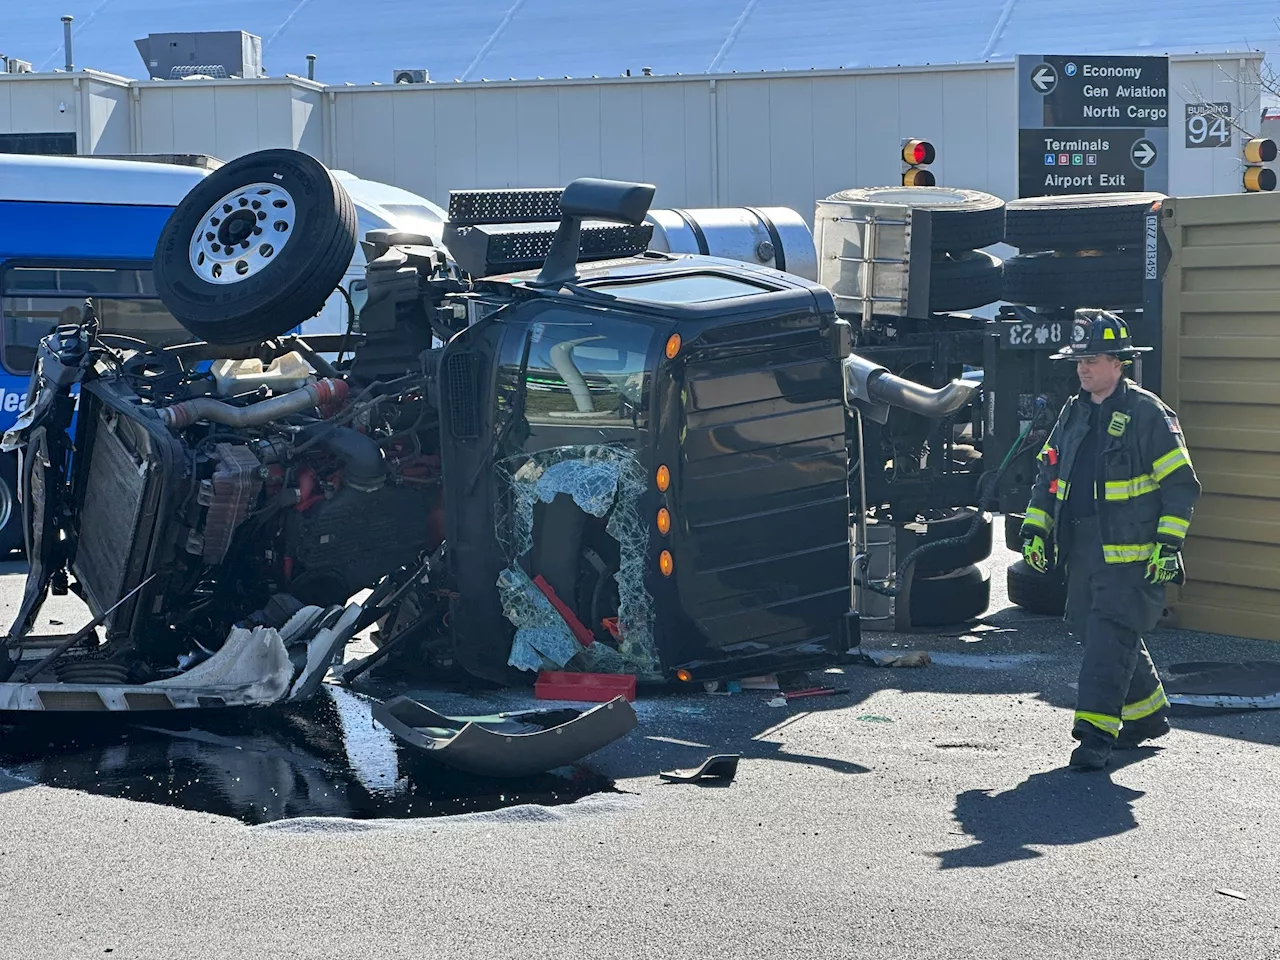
x: 1112, y: 500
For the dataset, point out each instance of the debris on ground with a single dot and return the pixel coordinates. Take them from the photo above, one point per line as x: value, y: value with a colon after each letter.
x: 1250, y: 685
x: 721, y: 767
x: 1234, y: 894
x: 586, y: 687
x: 918, y: 658
x: 517, y: 744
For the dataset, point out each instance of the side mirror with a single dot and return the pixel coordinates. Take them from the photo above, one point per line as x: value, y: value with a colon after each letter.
x: 593, y: 199
x: 589, y: 198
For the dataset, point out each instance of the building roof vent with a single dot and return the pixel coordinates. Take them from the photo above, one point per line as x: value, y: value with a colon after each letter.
x: 225, y: 53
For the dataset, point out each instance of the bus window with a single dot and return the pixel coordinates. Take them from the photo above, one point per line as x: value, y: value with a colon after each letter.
x: 35, y: 300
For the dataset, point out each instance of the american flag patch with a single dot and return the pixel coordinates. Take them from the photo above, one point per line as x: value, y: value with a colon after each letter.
x: 1172, y: 421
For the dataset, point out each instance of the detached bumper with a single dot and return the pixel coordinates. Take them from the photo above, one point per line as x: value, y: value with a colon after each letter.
x: 517, y: 744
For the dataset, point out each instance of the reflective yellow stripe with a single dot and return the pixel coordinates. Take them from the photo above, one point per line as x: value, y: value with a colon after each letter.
x: 1126, y: 552
x: 1044, y: 452
x: 1170, y: 462
x: 1103, y: 722
x: 1145, y: 708
x: 1063, y: 487
x: 1039, y: 518
x: 1172, y: 527
x: 1128, y: 489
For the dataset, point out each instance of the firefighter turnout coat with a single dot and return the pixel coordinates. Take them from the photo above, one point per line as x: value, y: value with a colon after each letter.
x: 1146, y: 487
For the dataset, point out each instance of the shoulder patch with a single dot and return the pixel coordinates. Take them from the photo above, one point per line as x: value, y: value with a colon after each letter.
x: 1171, y: 420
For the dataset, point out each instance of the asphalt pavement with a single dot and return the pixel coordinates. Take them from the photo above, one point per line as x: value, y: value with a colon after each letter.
x: 926, y: 813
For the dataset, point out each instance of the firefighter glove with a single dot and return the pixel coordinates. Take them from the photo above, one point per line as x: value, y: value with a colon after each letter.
x: 1033, y: 551
x: 1165, y: 565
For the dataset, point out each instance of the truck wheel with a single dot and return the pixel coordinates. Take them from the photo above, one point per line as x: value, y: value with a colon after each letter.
x: 10, y: 510
x: 962, y: 281
x: 255, y: 248
x: 1044, y: 593
x: 1082, y: 222
x: 956, y: 555
x: 953, y: 597
x: 962, y: 219
x: 1097, y: 279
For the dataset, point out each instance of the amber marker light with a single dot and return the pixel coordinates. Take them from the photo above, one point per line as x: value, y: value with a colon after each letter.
x: 664, y: 478
x: 665, y: 563
x: 684, y: 675
x: 673, y: 346
x: 664, y: 521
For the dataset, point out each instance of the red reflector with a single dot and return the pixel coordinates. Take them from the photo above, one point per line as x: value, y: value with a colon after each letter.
x: 1053, y: 457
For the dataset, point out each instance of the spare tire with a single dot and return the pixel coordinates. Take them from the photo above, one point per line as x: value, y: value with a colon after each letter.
x: 1092, y: 221
x: 962, y: 219
x: 957, y: 596
x: 1044, y: 593
x: 1111, y: 279
x: 255, y: 248
x: 962, y: 281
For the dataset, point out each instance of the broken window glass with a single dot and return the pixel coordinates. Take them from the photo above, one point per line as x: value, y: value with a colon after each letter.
x: 604, y: 481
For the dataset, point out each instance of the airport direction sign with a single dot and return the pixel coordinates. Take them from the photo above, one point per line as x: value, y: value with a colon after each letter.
x: 1104, y: 119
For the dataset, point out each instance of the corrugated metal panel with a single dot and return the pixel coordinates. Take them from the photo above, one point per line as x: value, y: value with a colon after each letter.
x: 584, y: 38
x: 1222, y: 375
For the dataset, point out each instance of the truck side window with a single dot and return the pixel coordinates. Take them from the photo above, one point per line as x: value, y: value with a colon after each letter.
x: 582, y: 371
x: 35, y: 300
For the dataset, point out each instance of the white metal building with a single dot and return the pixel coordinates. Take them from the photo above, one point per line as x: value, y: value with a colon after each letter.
x: 782, y: 139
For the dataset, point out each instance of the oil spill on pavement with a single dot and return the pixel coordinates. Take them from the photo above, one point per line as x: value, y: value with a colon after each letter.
x: 324, y: 757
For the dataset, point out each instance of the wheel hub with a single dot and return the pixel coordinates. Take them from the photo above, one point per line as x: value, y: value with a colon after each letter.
x: 242, y: 233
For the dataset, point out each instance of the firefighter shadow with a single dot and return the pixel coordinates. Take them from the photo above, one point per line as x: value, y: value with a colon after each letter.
x: 1058, y: 808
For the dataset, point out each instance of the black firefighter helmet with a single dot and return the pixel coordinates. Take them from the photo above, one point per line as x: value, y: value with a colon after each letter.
x: 1096, y: 332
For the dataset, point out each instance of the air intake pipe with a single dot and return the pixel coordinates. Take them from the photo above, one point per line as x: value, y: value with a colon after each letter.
x: 318, y: 394
x: 876, y: 389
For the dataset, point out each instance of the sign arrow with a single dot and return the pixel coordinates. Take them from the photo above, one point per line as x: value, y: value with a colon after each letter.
x: 1143, y: 154
x: 1044, y: 78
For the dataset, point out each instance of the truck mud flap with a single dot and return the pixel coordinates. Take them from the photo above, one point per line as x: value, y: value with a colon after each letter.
x: 518, y: 744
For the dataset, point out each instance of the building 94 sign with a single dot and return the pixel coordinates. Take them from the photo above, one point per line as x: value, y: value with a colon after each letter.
x: 1208, y: 125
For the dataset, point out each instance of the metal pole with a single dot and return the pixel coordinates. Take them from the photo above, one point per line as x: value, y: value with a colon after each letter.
x: 66, y: 41
x: 311, y: 66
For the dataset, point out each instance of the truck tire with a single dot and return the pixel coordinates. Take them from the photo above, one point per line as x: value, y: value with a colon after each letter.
x: 962, y: 281
x: 962, y: 219
x: 1104, y: 279
x: 954, y: 597
x: 255, y: 248
x: 952, y: 556
x: 1095, y: 221
x: 1044, y: 593
x: 11, y: 537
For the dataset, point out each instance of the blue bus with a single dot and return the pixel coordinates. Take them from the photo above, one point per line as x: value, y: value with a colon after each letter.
x: 78, y: 228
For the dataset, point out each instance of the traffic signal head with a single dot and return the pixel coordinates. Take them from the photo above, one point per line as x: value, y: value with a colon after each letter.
x: 916, y: 156
x: 1257, y: 178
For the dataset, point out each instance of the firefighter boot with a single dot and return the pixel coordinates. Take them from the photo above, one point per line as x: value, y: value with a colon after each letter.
x: 1094, y: 750
x: 1136, y: 731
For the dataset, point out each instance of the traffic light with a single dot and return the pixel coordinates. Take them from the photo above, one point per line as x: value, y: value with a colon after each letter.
x: 916, y: 157
x: 1258, y: 178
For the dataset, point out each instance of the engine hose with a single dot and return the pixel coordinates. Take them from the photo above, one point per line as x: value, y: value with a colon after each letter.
x: 989, y: 479
x: 318, y: 394
x: 363, y: 466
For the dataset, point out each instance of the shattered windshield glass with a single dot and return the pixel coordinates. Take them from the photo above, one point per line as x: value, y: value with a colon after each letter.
x: 577, y: 479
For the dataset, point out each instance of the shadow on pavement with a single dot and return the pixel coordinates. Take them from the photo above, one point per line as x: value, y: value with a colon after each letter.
x: 1057, y: 808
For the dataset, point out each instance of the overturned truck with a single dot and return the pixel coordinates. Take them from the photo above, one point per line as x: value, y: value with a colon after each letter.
x: 554, y: 448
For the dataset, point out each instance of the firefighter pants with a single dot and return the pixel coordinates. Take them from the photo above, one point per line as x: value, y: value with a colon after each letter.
x: 1111, y: 605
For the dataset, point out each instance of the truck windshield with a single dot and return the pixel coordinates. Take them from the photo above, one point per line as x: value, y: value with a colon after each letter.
x: 35, y: 300
x: 586, y: 378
